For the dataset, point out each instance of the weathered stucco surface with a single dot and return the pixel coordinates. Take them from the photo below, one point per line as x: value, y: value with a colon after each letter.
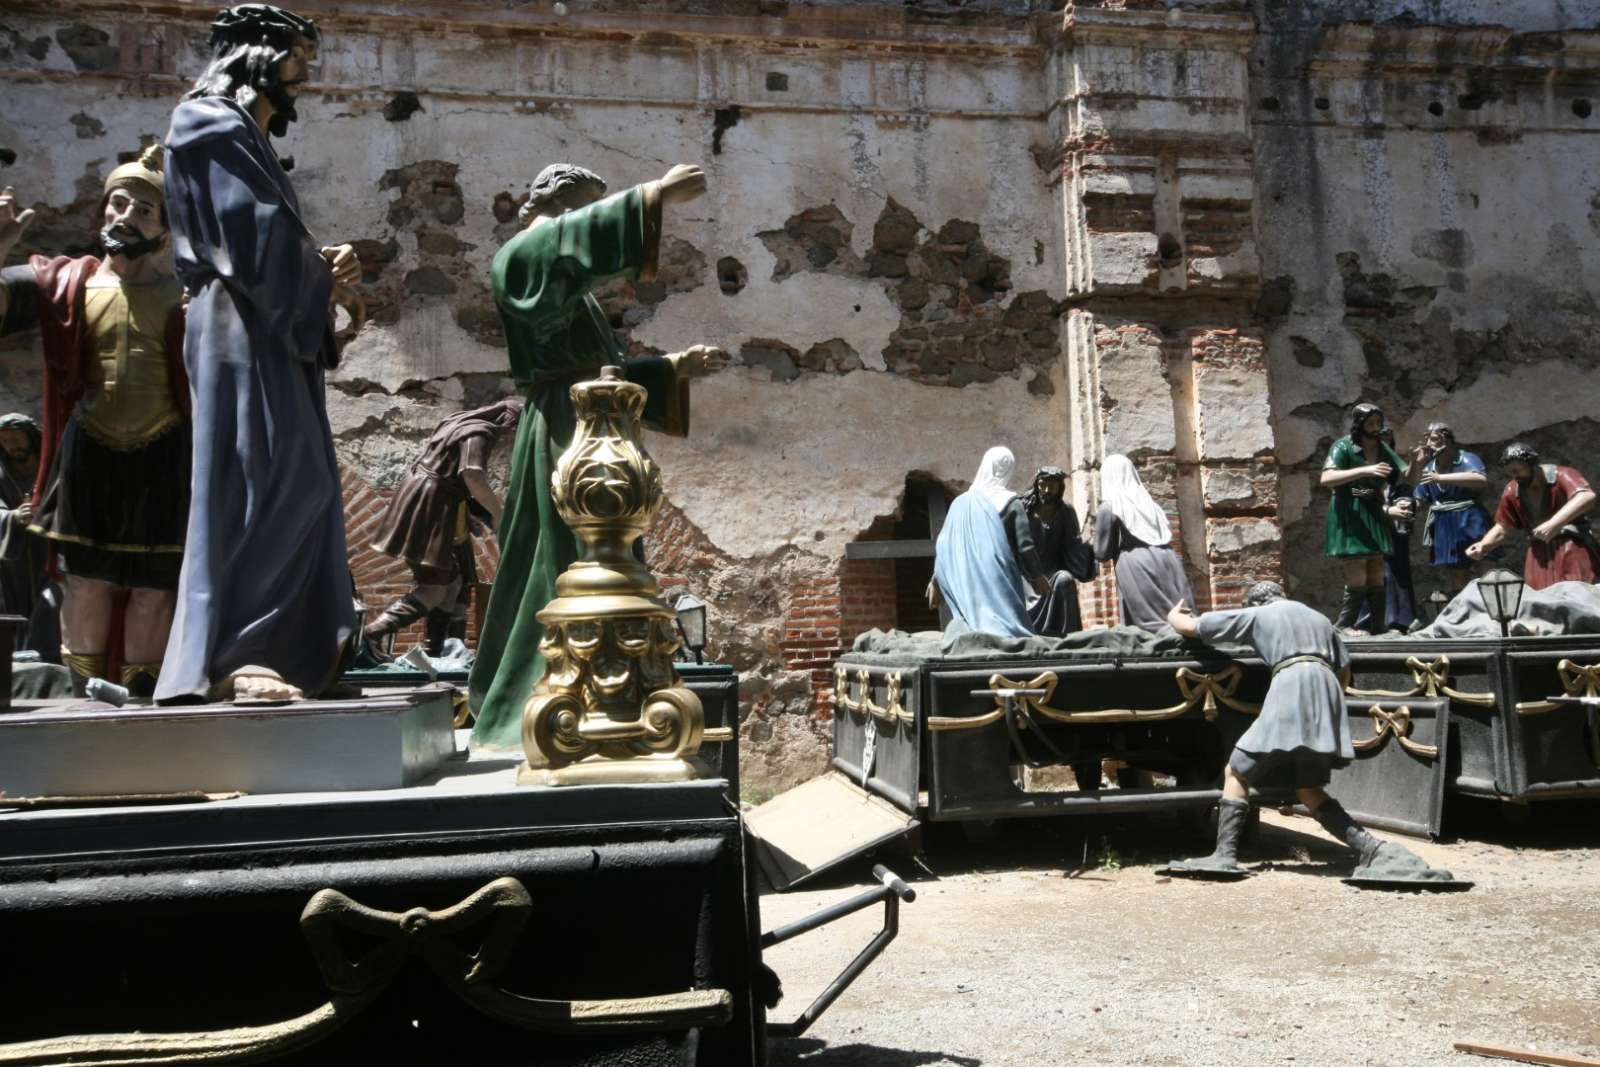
x: 1434, y: 230
x: 1193, y: 232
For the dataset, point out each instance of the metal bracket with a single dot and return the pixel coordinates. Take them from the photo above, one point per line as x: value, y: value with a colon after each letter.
x: 891, y: 891
x: 1013, y: 709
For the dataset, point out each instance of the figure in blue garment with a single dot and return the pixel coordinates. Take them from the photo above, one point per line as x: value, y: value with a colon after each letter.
x: 975, y: 561
x: 265, y: 602
x: 1451, y: 479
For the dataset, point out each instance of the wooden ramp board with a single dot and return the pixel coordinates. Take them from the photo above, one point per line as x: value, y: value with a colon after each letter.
x: 821, y: 824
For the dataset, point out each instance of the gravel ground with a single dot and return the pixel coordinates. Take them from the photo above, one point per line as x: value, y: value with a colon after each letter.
x: 1017, y: 953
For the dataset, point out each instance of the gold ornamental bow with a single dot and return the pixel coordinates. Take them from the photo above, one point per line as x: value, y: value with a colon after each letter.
x: 1398, y: 724
x: 1431, y: 680
x: 1577, y: 680
x: 330, y: 922
x: 1196, y: 689
x: 861, y: 703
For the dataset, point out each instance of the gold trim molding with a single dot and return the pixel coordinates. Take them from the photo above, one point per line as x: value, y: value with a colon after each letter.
x: 1577, y: 680
x: 500, y: 910
x: 1432, y: 679
x: 861, y: 703
x: 1208, y: 692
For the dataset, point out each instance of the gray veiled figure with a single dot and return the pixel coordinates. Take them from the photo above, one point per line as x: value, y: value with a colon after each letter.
x: 1131, y: 530
x: 265, y: 577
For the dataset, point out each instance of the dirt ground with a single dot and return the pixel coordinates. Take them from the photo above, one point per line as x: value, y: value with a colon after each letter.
x: 1018, y: 952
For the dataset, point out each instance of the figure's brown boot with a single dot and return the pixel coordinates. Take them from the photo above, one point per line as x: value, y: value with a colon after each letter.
x: 1349, y: 608
x: 1377, y: 606
x: 438, y: 629
x: 1332, y: 817
x: 379, y: 633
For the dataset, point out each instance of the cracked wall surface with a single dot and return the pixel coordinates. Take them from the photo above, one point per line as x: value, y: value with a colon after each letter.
x: 1434, y: 234
x: 1193, y: 231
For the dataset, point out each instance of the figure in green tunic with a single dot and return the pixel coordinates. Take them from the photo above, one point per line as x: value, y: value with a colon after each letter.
x: 575, y: 239
x: 1360, y: 470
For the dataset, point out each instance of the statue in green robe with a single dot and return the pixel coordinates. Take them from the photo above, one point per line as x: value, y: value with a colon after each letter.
x: 575, y: 239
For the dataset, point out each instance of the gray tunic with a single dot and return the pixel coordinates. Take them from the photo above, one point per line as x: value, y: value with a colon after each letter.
x: 1150, y: 579
x: 1304, y: 708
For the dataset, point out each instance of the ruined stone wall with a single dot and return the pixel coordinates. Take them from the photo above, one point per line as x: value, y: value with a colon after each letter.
x: 1191, y: 232
x: 1428, y: 212
x: 875, y: 249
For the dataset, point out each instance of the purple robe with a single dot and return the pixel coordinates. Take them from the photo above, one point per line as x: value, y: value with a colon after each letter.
x: 265, y: 576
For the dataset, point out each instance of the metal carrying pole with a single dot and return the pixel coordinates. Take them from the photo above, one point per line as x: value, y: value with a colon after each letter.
x: 891, y: 891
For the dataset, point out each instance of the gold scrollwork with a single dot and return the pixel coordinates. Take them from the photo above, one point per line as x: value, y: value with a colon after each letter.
x: 1398, y: 723
x: 1206, y: 691
x: 861, y: 703
x: 610, y: 706
x: 500, y: 910
x: 1577, y: 680
x: 1432, y: 679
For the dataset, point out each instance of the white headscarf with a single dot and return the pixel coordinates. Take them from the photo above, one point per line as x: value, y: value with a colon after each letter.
x: 993, y: 474
x: 1130, y: 501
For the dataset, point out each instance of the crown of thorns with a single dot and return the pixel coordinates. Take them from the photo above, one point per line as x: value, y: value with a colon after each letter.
x: 243, y: 22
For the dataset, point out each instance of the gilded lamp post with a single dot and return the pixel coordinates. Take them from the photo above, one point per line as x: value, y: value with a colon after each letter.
x: 610, y: 707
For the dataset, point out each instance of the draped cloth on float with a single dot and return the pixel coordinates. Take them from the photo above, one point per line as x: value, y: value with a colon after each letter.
x: 556, y: 334
x: 265, y: 577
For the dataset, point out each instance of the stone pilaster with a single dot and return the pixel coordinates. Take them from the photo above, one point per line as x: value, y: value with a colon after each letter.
x: 1151, y: 125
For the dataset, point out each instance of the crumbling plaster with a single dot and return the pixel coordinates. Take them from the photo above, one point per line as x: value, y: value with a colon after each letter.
x: 1401, y: 198
x: 1426, y: 198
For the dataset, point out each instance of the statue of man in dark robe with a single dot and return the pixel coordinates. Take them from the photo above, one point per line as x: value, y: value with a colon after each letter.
x: 265, y: 604
x: 1058, y: 560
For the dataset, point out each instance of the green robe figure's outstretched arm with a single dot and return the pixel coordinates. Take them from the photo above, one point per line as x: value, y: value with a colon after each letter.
x: 557, y: 334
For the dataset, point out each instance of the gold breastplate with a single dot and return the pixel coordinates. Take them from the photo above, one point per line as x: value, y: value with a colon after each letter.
x: 131, y: 405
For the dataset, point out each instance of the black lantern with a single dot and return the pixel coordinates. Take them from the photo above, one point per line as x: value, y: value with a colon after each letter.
x: 1502, y: 596
x: 691, y: 611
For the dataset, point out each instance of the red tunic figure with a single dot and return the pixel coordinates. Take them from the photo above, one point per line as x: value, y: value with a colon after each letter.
x: 1550, y: 502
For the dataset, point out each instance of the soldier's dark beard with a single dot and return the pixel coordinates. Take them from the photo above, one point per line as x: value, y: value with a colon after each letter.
x: 115, y: 241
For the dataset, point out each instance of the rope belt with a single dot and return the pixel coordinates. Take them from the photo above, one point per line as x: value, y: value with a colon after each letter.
x: 1436, y: 509
x: 1309, y: 658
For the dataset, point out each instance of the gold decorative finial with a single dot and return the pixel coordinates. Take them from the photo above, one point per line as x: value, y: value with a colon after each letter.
x: 610, y: 707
